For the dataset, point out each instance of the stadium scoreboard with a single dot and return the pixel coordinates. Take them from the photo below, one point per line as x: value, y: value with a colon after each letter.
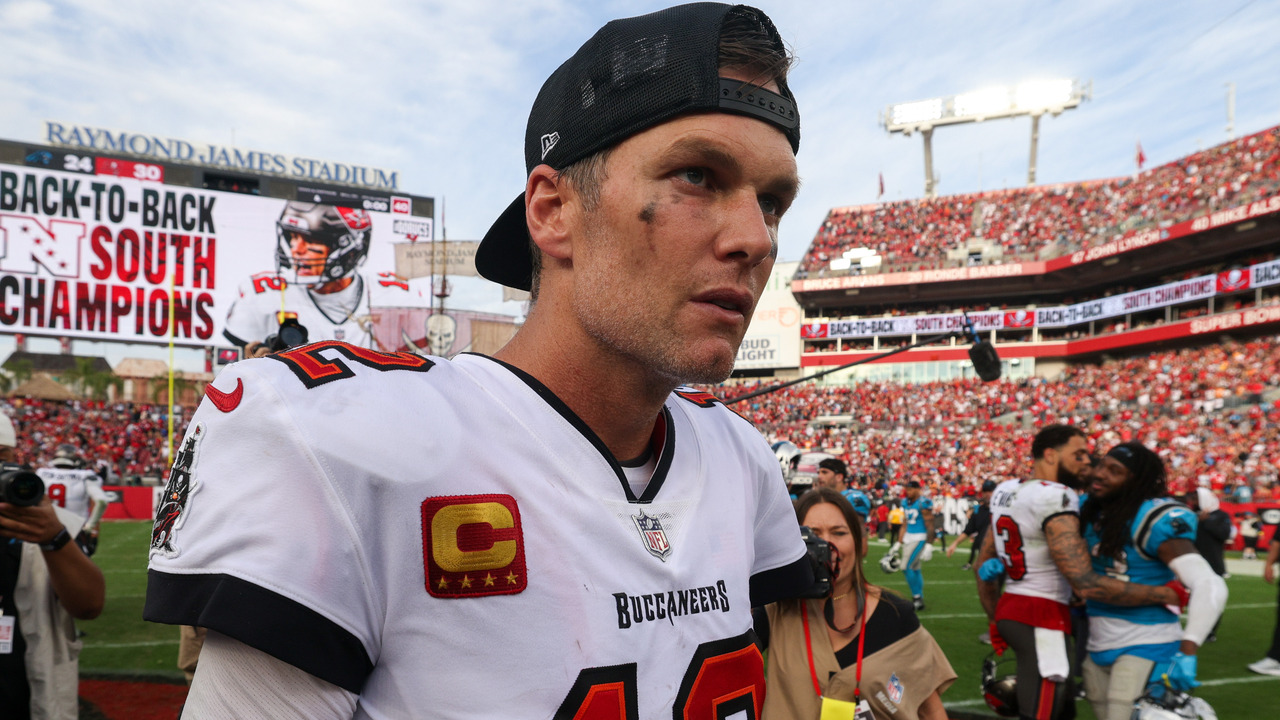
x: 94, y: 244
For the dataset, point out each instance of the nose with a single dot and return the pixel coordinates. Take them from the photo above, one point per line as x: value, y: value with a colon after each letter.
x: 746, y: 236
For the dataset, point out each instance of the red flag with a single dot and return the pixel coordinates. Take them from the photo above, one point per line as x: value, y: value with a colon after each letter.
x: 881, y: 187
x: 1142, y: 158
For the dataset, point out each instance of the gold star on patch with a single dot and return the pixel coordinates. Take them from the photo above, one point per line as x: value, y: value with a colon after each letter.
x: 444, y: 584
x: 488, y: 579
x: 511, y: 578
x: 466, y: 581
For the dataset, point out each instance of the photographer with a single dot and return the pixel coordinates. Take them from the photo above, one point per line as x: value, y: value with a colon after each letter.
x: 291, y: 334
x: 860, y: 643
x: 45, y: 582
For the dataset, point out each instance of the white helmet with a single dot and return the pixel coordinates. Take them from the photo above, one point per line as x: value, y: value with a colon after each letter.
x: 1161, y: 702
x: 891, y: 563
x: 787, y: 454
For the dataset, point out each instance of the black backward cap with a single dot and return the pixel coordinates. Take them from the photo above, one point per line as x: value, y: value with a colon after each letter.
x: 633, y: 74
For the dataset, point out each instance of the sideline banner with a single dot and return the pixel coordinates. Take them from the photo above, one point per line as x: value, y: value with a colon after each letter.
x: 132, y: 502
x: 89, y: 254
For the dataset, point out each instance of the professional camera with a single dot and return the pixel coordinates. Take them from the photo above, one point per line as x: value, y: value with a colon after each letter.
x: 20, y: 486
x: 825, y: 565
x: 290, y: 335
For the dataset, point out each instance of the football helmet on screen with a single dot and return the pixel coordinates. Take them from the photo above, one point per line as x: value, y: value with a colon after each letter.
x: 1161, y: 702
x: 67, y: 456
x: 999, y: 691
x: 346, y: 232
x: 891, y: 563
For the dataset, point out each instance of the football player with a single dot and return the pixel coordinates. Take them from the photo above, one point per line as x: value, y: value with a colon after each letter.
x: 834, y: 474
x: 319, y: 249
x: 555, y: 531
x: 1035, y: 533
x: 77, y: 489
x: 914, y: 539
x: 1136, y: 533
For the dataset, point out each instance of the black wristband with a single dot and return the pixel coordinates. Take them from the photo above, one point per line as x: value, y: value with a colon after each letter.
x: 62, y: 538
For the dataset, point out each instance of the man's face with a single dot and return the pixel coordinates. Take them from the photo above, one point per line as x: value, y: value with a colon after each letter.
x: 668, y: 268
x: 308, y: 257
x: 1109, y: 477
x: 829, y: 479
x: 913, y: 493
x: 1073, y: 458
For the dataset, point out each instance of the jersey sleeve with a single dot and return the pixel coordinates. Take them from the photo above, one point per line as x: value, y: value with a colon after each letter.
x: 1174, y: 521
x: 251, y: 318
x: 1053, y: 500
x: 93, y: 488
x: 781, y: 568
x: 253, y: 540
x: 926, y: 504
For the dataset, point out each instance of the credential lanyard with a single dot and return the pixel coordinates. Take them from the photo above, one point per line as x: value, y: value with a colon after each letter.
x: 808, y: 646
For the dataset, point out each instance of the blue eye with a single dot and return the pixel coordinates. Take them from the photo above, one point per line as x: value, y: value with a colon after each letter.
x: 694, y: 175
x: 769, y: 205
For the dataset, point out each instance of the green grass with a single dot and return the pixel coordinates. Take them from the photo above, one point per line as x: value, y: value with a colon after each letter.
x: 120, y: 641
x: 955, y: 618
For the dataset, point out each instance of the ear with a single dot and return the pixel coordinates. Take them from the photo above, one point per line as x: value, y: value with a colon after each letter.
x: 546, y: 207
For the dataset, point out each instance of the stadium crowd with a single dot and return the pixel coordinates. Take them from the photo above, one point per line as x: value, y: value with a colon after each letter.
x: 1049, y: 221
x: 128, y: 438
x: 1203, y: 408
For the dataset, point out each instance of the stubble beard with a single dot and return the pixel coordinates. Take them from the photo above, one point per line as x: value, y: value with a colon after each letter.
x: 620, y: 324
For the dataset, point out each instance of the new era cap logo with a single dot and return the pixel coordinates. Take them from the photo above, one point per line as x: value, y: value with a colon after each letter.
x: 548, y: 142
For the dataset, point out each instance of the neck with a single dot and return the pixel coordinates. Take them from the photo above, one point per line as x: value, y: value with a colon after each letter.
x: 618, y: 400
x: 1044, y: 470
x: 334, y: 286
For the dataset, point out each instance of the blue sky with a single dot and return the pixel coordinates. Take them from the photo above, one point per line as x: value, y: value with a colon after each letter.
x: 441, y: 90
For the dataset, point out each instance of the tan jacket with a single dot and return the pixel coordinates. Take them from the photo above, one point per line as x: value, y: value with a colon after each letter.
x: 53, y: 650
x: 910, y: 669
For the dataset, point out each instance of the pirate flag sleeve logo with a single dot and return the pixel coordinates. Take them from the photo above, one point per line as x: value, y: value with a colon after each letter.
x: 172, y: 508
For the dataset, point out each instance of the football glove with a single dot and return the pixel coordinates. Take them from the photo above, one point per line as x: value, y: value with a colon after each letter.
x: 997, y: 643
x: 896, y: 549
x: 991, y: 570
x: 88, y: 542
x: 1181, y: 673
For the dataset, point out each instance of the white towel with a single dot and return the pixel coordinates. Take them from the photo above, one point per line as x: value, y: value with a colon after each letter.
x: 1051, y: 653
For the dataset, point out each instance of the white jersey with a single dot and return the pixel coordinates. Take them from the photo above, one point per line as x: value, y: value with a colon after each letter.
x: 1019, y: 511
x: 73, y: 489
x: 446, y: 538
x: 343, y: 315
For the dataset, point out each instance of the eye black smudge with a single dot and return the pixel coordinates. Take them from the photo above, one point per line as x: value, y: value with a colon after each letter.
x: 648, y: 213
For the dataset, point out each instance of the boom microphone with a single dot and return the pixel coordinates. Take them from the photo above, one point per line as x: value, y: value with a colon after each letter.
x: 983, y: 356
x: 985, y: 361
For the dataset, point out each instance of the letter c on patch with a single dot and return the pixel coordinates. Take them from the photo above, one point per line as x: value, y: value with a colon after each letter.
x: 444, y: 537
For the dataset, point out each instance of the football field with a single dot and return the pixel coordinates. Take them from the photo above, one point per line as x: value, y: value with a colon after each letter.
x: 120, y: 642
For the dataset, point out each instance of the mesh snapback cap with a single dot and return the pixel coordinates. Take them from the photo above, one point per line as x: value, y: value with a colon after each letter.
x: 633, y: 74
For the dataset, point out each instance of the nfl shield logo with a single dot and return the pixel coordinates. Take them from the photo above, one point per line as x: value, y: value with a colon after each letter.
x: 339, y: 334
x: 652, y: 534
x: 895, y: 688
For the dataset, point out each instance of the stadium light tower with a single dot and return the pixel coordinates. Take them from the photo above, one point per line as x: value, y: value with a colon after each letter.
x: 1034, y: 98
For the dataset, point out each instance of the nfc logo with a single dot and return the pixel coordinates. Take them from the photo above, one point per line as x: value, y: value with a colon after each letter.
x: 473, y: 546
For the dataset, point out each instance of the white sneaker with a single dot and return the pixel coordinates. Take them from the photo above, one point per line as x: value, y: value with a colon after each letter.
x: 1266, y: 666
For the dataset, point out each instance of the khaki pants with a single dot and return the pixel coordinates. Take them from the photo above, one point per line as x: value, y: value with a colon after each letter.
x: 190, y: 640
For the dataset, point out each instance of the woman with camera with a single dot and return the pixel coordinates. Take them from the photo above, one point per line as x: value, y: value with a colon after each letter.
x: 860, y: 645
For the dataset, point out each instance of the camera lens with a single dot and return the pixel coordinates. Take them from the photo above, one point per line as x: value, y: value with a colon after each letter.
x: 22, y: 487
